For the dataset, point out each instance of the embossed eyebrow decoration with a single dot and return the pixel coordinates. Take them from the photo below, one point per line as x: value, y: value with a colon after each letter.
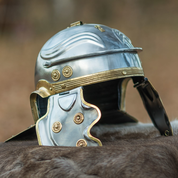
x: 59, y: 61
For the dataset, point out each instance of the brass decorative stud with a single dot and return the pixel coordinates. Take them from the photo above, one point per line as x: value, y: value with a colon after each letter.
x: 55, y: 75
x: 63, y: 86
x: 166, y: 133
x: 78, y: 118
x: 57, y: 126
x: 67, y: 71
x: 76, y: 24
x: 81, y: 143
x: 124, y: 72
x: 99, y: 28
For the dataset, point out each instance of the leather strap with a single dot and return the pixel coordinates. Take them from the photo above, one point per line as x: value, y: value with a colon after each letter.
x: 153, y: 105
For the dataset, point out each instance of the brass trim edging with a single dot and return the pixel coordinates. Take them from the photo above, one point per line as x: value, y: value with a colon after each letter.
x: 70, y: 84
x: 45, y: 89
x: 42, y: 92
x: 37, y: 122
x: 94, y: 122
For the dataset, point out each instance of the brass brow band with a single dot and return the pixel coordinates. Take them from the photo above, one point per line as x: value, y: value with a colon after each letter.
x: 70, y: 84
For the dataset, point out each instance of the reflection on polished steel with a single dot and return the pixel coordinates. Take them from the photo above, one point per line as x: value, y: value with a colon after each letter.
x: 95, y: 62
x: 51, y: 63
x: 88, y: 51
x: 57, y: 118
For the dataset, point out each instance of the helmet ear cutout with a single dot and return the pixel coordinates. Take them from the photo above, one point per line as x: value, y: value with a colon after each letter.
x: 153, y: 105
x: 42, y: 105
x: 36, y: 98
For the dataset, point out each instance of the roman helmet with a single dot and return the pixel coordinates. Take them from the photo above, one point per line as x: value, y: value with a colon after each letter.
x: 81, y: 76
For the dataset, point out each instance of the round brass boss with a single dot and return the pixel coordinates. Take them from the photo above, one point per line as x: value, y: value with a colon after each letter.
x: 57, y: 126
x: 124, y: 72
x: 67, y: 71
x: 78, y: 118
x: 81, y: 143
x: 55, y: 75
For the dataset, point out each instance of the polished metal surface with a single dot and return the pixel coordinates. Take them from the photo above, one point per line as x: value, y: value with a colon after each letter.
x: 87, y: 51
x: 57, y: 127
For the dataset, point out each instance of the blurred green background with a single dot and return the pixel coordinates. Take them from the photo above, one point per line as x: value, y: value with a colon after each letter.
x: 26, y: 25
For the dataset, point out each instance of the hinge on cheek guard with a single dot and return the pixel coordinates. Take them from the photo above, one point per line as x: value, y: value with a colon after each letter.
x: 154, y: 106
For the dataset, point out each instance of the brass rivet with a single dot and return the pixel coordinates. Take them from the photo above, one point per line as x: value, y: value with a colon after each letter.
x: 57, y: 126
x: 63, y: 86
x: 166, y: 133
x: 78, y: 118
x: 67, y: 71
x: 99, y: 28
x: 81, y: 143
x: 124, y: 72
x: 55, y: 75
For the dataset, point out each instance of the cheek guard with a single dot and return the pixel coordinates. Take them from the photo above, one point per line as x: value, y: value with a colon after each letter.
x: 68, y: 121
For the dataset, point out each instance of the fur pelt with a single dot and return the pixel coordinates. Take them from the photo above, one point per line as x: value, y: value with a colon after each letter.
x: 129, y: 150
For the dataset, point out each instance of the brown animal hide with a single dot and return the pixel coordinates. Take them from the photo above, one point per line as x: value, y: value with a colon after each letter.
x: 131, y: 150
